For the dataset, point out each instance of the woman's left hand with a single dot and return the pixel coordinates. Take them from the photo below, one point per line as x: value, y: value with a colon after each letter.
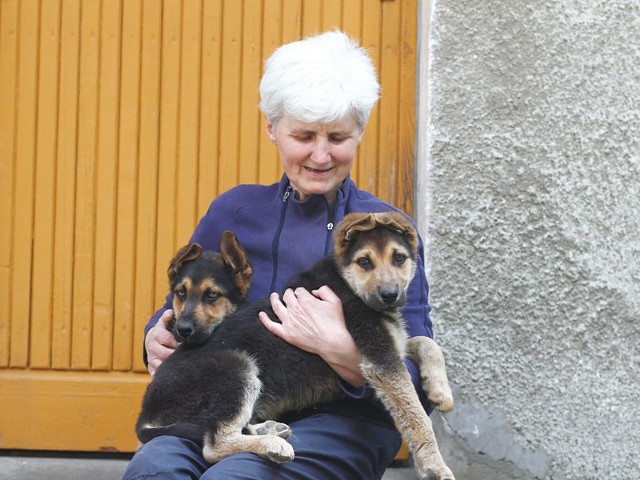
x: 314, y: 322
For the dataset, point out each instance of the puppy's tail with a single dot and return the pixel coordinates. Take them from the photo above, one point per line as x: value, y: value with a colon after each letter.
x: 189, y: 431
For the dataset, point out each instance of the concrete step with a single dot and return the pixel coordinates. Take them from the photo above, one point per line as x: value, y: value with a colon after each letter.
x: 26, y: 466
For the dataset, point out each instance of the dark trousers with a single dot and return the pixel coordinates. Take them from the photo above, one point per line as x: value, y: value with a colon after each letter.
x: 354, y: 439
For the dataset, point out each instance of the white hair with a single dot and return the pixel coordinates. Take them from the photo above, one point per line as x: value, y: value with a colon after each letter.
x: 323, y: 78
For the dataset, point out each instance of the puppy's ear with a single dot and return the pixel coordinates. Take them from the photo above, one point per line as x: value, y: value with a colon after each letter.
x: 355, y: 223
x: 236, y: 259
x: 401, y: 224
x: 185, y: 254
x: 352, y: 223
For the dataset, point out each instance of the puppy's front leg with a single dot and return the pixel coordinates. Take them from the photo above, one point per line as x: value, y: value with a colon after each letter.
x: 426, y: 353
x: 393, y: 386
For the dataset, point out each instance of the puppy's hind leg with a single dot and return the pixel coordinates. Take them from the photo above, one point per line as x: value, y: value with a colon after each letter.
x: 225, y: 438
x: 230, y: 441
x: 426, y: 353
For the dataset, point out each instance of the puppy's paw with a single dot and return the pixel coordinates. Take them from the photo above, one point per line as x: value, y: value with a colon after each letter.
x: 277, y: 450
x: 432, y: 467
x: 431, y: 475
x: 270, y: 427
x: 439, y: 394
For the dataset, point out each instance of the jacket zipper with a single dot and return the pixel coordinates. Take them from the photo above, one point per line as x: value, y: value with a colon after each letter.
x: 331, y: 216
x: 276, y: 240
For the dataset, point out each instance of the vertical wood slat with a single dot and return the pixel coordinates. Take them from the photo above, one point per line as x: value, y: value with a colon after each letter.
x: 188, y: 115
x: 368, y: 152
x: 281, y: 23
x: 408, y: 37
x: 352, y: 17
x: 389, y: 62
x: 126, y: 208
x: 106, y: 186
x: 352, y: 24
x: 169, y: 108
x: 209, y: 121
x: 331, y: 15
x: 84, y: 235
x: 249, y: 122
x: 45, y: 178
x: 148, y: 293
x: 8, y: 62
x: 311, y: 17
x: 27, y: 69
x: 231, y: 71
x: 293, y: 14
x: 67, y: 122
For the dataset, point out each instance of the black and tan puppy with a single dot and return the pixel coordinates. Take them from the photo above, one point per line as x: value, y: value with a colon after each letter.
x: 242, y: 374
x: 207, y: 287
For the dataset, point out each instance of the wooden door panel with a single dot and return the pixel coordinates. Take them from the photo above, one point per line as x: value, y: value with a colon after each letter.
x: 119, y: 122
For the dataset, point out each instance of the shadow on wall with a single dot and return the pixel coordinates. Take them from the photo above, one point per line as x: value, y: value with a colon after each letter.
x: 478, y: 443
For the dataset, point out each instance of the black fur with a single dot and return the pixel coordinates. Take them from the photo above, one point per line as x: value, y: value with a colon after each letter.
x: 199, y: 385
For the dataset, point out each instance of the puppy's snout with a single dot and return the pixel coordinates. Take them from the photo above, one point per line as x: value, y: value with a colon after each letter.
x: 389, y: 295
x: 185, y: 330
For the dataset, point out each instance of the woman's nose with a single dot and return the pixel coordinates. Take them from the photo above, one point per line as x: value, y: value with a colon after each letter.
x: 321, y: 152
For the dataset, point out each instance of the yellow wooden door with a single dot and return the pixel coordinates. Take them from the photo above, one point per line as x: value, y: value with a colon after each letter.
x: 119, y: 122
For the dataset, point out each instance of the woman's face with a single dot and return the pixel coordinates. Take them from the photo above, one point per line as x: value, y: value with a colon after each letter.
x: 317, y: 157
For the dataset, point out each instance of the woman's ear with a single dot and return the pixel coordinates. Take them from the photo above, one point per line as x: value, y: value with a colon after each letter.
x: 271, y: 133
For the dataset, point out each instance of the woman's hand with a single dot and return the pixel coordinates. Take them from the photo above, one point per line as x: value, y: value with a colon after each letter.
x: 159, y: 342
x: 314, y: 322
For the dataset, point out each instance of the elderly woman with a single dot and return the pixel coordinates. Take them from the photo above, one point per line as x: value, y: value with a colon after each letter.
x: 316, y: 95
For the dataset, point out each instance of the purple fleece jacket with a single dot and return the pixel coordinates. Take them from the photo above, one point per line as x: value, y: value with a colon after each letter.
x: 284, y: 236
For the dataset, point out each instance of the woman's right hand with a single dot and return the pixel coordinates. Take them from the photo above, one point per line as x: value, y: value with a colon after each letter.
x: 159, y: 342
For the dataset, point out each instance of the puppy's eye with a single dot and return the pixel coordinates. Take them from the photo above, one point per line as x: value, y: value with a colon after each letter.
x: 211, y: 295
x: 365, y: 262
x: 399, y: 258
x: 181, y: 293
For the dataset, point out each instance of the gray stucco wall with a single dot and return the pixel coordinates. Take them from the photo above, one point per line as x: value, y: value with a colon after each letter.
x: 530, y: 205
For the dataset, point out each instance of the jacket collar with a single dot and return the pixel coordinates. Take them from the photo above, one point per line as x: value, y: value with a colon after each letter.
x: 285, y: 191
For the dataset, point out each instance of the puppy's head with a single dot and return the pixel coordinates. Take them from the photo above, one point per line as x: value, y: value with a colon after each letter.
x: 376, y: 254
x: 207, y: 287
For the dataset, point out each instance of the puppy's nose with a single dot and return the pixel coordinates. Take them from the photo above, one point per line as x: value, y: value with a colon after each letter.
x: 389, y: 295
x: 185, y: 331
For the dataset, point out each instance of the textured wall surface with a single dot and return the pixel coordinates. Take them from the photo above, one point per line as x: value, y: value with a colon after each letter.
x: 532, y: 207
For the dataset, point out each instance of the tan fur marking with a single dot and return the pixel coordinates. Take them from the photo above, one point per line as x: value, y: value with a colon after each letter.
x: 398, y: 395
x: 209, y: 284
x: 210, y: 314
x: 178, y: 304
x: 426, y: 353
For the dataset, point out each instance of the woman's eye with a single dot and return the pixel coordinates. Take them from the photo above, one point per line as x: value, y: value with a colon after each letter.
x: 303, y: 137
